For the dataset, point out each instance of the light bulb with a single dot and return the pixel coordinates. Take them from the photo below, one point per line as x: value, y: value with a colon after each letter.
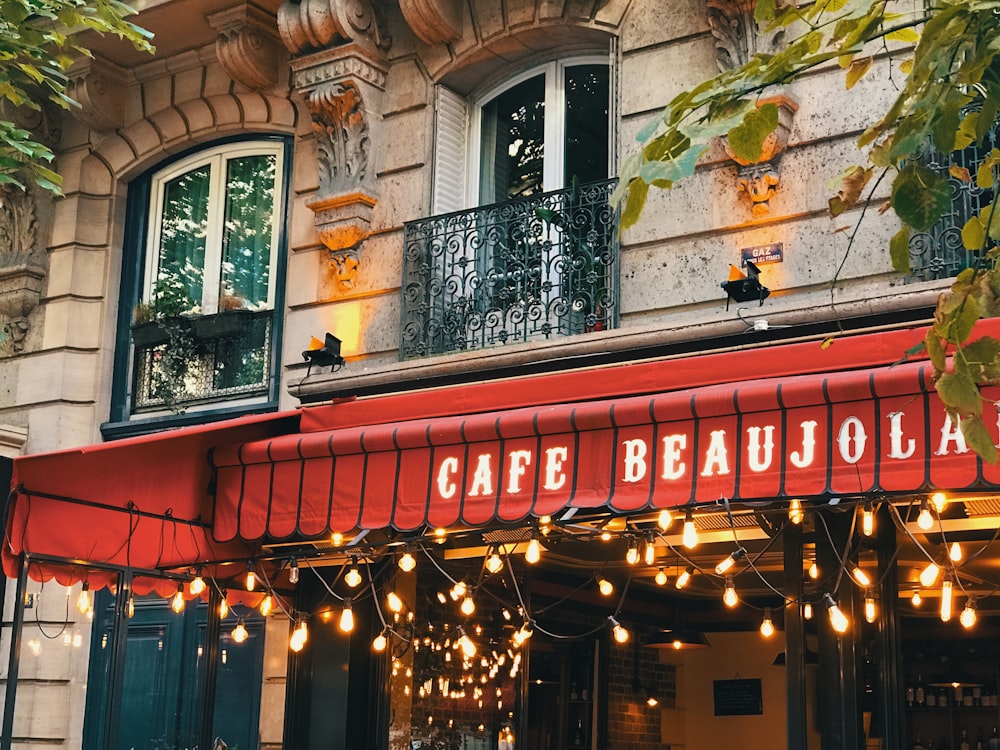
x: 870, y: 611
x: 916, y: 599
x: 767, y: 625
x: 652, y: 701
x: 689, y: 537
x: 661, y: 577
x: 197, y: 585
x: 353, y: 578
x: 347, y: 617
x: 293, y: 572
x: 467, y: 646
x: 468, y: 606
x: 929, y: 575
x: 336, y: 538
x: 729, y: 596
x: 83, y: 603
x: 605, y: 536
x: 393, y: 601
x: 380, y: 643
x: 860, y: 577
x: 458, y: 590
x: 251, y: 577
x: 223, y: 607
x: 632, y: 556
x: 267, y: 605
x: 534, y: 552
x: 298, y: 638
x: 683, y: 578
x: 605, y: 586
x: 407, y: 562
x: 947, y: 591
x: 867, y: 519
x: 968, y: 616
x: 494, y: 563
x: 727, y: 562
x: 837, y: 618
x: 807, y: 610
x: 940, y: 501
x: 130, y: 607
x: 177, y: 602
x: 925, y: 520
x: 664, y: 518
x: 620, y: 633
x: 795, y: 513
x: 955, y: 552
x: 814, y: 571
x: 649, y: 551
x: 240, y: 633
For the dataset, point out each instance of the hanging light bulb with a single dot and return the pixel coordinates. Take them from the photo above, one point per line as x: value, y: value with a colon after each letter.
x: 925, y: 520
x: 689, y: 537
x: 347, y: 617
x: 661, y: 577
x: 807, y: 610
x: 605, y: 586
x: 533, y: 553
x: 380, y: 643
x: 467, y: 646
x: 947, y: 591
x: 870, y: 609
x: 197, y: 585
x: 353, y: 577
x: 293, y: 572
x: 177, y: 602
x: 814, y: 570
x: 299, y: 636
x: 393, y: 601
x: 684, y: 578
x: 251, y: 576
x: 83, y: 602
x: 223, y: 606
x: 468, y: 606
x: 795, y: 513
x: 929, y: 575
x: 266, y: 605
x: 407, y: 562
x: 649, y: 550
x: 867, y: 519
x: 916, y: 599
x: 766, y: 624
x: 729, y: 595
x: 620, y: 634
x: 940, y: 501
x: 632, y: 556
x: 664, y: 518
x: 837, y: 618
x: 240, y: 633
x: 458, y: 590
x: 955, y: 552
x: 606, y: 536
x: 727, y: 562
x: 968, y: 616
x: 860, y: 577
x: 494, y: 563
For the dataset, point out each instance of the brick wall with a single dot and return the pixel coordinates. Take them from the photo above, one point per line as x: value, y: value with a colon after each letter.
x: 632, y: 724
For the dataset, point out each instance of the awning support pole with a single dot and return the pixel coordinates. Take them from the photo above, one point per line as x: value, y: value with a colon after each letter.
x: 889, y: 635
x: 10, y: 697
x: 116, y: 664
x: 210, y: 669
x: 795, y: 644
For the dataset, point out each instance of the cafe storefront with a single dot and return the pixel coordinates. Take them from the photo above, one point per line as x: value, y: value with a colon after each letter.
x: 639, y: 555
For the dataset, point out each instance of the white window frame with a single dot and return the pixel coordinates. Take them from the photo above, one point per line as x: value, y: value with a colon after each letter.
x: 555, y: 126
x: 217, y: 157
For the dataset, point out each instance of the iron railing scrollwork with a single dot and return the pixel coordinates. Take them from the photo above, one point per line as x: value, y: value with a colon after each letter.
x: 528, y: 269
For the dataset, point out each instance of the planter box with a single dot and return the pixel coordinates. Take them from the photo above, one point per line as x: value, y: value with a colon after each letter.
x: 155, y: 332
x: 228, y: 324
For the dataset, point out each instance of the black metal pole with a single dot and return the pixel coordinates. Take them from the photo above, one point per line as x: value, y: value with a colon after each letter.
x: 889, y: 636
x: 14, y: 662
x: 116, y: 663
x: 210, y: 669
x: 795, y: 644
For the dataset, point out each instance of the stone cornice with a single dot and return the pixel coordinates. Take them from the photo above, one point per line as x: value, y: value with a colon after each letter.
x: 248, y: 47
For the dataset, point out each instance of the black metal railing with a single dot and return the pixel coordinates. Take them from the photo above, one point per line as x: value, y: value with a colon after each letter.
x: 189, y: 361
x: 529, y: 269
x: 939, y: 253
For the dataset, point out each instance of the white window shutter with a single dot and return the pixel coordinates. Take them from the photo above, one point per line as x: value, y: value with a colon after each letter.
x: 450, y: 151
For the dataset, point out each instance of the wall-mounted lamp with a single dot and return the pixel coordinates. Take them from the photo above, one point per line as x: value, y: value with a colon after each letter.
x: 679, y: 640
x: 745, y: 287
x: 324, y: 353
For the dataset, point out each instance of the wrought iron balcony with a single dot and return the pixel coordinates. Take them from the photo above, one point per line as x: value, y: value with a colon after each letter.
x: 529, y: 269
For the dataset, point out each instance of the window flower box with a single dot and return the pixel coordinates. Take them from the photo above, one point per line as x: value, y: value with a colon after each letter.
x: 155, y: 332
x: 226, y: 324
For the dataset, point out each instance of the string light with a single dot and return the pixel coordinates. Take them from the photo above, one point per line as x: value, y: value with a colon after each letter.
x: 814, y: 571
x: 664, y: 519
x: 947, y: 591
x: 293, y: 572
x: 299, y: 637
x: 197, y: 585
x: 240, y: 633
x: 968, y: 616
x: 807, y: 610
x: 130, y: 606
x: 458, y: 590
x: 605, y: 586
x: 251, y: 577
x: 729, y: 595
x: 467, y: 646
x: 649, y: 550
x: 223, y: 606
x: 347, y: 617
x: 860, y: 577
x: 177, y: 602
x: 468, y: 606
x: 83, y: 602
x: 621, y: 635
x: 533, y: 553
x: 795, y: 513
x: 689, y: 537
x: 661, y: 577
x: 916, y: 599
x: 940, y: 501
x: 684, y: 578
x: 727, y: 562
x: 955, y: 552
x: 494, y: 563
x: 393, y: 602
x: 867, y: 519
x: 929, y: 575
x: 767, y: 625
x: 353, y: 577
x: 266, y: 605
x: 380, y: 643
x: 838, y: 620
x: 407, y: 562
x: 870, y: 609
x: 336, y: 538
x: 632, y: 556
x: 925, y: 520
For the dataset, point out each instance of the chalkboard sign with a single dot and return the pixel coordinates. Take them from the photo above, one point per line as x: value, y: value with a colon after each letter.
x: 738, y: 698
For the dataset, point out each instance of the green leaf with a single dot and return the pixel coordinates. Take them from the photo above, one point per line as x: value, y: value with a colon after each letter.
x: 979, y: 439
x: 907, y: 36
x: 637, y: 191
x: 960, y: 393
x: 899, y: 250
x: 935, y: 351
x: 857, y: 71
x: 966, y: 134
x: 920, y: 196
x: 764, y: 11
x: 973, y: 234
x: 14, y: 13
x: 747, y: 139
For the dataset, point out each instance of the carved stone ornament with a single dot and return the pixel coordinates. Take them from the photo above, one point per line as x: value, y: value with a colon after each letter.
x: 737, y: 36
x: 247, y: 47
x: 22, y: 272
x: 102, y: 91
x: 760, y: 179
x: 433, y: 21
x: 311, y: 25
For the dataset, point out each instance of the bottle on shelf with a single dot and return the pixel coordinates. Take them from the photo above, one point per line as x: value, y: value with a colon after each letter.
x: 574, y: 694
x: 964, y: 742
x: 919, y: 691
x: 578, y: 734
x: 942, y: 698
x: 980, y: 742
x: 910, y: 695
x: 930, y: 699
x: 994, y: 740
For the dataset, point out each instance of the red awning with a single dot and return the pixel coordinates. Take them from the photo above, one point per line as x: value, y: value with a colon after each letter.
x: 853, y: 432
x: 144, y: 502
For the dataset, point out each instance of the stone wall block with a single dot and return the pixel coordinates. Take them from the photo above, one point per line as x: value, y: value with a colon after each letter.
x: 144, y: 139
x: 75, y: 323
x: 189, y: 84
x: 170, y: 125
x: 303, y: 277
x: 216, y: 81
x: 303, y: 232
x: 612, y: 13
x: 520, y: 13
x: 226, y: 108
x: 54, y: 426
x: 283, y: 113
x: 254, y: 107
x: 653, y: 77
x: 118, y: 153
x: 645, y: 24
x: 550, y: 9
x: 81, y: 219
x: 409, y: 151
x: 406, y: 88
x: 58, y: 375
x: 404, y: 195
x: 304, y: 176
x: 82, y: 172
x: 157, y: 93
x: 198, y: 115
x: 77, y: 271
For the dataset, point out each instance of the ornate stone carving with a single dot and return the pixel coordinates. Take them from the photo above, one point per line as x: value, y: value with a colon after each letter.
x: 759, y: 181
x: 102, y: 91
x: 247, y: 47
x: 737, y: 36
x: 309, y: 25
x: 22, y: 271
x: 433, y: 21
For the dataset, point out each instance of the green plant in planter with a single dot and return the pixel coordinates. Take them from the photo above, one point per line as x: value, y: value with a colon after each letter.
x: 174, y: 346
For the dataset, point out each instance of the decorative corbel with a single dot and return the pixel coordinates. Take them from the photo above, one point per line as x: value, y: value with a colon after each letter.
x: 340, y: 68
x: 737, y: 39
x: 22, y: 273
x: 247, y: 47
x: 101, y: 88
x: 433, y: 21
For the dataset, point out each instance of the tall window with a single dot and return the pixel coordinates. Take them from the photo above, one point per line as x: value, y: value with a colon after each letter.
x: 207, y: 230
